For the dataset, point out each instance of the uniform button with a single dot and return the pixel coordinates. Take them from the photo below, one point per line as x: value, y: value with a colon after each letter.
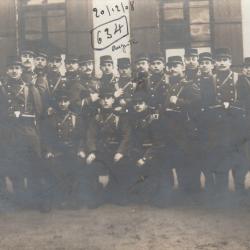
x: 231, y: 92
x: 217, y: 86
x: 9, y: 93
x: 220, y: 116
x: 174, y: 90
x: 51, y: 86
x: 202, y: 109
x: 70, y: 130
x: 9, y: 101
x: 58, y: 123
x: 219, y: 94
x: 153, y: 95
x: 231, y: 85
x: 231, y: 78
x: 22, y: 105
x: 232, y: 99
x: 244, y: 115
x: 59, y: 130
x: 218, y: 80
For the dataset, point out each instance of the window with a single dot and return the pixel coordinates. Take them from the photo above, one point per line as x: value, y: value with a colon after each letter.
x: 43, y: 24
x: 185, y: 23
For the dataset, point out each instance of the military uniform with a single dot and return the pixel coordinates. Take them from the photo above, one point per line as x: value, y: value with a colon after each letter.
x: 227, y: 127
x: 148, y: 152
x: 205, y: 82
x: 21, y: 107
x: 64, y: 136
x: 108, y: 135
x: 126, y: 84
x: 180, y: 122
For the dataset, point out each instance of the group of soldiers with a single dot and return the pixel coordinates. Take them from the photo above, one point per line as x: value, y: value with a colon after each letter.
x: 74, y: 139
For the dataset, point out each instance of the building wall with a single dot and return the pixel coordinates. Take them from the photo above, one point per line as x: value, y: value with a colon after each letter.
x: 8, y: 42
x: 227, y: 31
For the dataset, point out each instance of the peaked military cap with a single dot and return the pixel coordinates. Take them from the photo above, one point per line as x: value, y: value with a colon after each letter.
x: 157, y: 56
x: 28, y: 52
x: 141, y: 57
x: 123, y: 63
x: 222, y: 52
x: 174, y: 60
x: 85, y: 58
x: 71, y: 59
x: 205, y: 56
x: 13, y: 60
x: 106, y: 59
x: 41, y: 53
x: 191, y: 52
x: 246, y: 61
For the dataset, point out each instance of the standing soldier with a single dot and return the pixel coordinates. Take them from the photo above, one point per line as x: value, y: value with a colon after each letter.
x: 41, y: 63
x: 207, y: 91
x: 56, y: 82
x: 227, y: 116
x: 85, y: 94
x: 243, y: 124
x: 125, y: 84
x: 21, y: 107
x: 191, y: 63
x: 158, y: 82
x: 181, y: 105
x: 141, y: 71
x: 29, y: 75
x: 108, y: 141
x: 64, y: 140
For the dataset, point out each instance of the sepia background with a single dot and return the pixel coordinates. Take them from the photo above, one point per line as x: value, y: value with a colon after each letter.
x: 156, y: 25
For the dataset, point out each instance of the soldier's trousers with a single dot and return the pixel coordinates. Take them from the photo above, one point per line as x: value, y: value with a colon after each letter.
x: 118, y: 173
x: 66, y: 174
x: 151, y: 183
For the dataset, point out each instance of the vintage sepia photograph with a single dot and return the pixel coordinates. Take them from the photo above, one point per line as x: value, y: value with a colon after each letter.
x: 124, y: 124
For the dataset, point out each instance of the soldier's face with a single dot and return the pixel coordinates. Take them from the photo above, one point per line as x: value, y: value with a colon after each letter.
x: 28, y: 61
x: 125, y: 73
x: 223, y: 63
x: 142, y: 66
x: 64, y: 104
x: 55, y: 65
x: 140, y: 106
x: 107, y: 102
x: 72, y: 66
x: 191, y: 62
x: 14, y: 72
x: 246, y: 71
x: 176, y: 69
x: 107, y: 68
x: 157, y: 67
x: 40, y: 62
x: 206, y: 66
x: 87, y: 68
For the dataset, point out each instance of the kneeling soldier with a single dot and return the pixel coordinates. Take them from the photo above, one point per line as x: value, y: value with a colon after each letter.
x: 108, y: 141
x: 64, y: 150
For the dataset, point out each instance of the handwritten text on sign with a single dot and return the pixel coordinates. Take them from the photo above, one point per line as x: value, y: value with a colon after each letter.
x: 108, y: 33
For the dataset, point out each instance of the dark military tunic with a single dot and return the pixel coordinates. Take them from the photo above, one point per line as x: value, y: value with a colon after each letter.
x: 229, y: 128
x: 182, y: 130
x: 80, y: 96
x: 128, y: 86
x: 109, y: 134
x: 56, y: 84
x: 64, y: 137
x: 157, y: 90
x: 20, y: 110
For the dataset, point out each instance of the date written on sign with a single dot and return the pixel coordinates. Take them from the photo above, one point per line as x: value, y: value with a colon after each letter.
x: 111, y: 10
x: 109, y: 33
